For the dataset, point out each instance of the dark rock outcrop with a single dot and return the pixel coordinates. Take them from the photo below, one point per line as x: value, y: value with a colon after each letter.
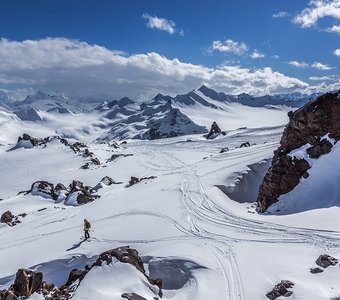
x: 28, y: 282
x: 135, y: 180
x: 115, y: 156
x: 44, y: 189
x: 34, y: 141
x: 316, y: 270
x: 106, y: 181
x: 281, y: 289
x: 132, y: 296
x: 7, y: 218
x: 307, y: 125
x: 10, y: 219
x: 215, y: 129
x: 325, y: 261
x: 225, y: 149
x: 246, y: 144
x: 77, y: 191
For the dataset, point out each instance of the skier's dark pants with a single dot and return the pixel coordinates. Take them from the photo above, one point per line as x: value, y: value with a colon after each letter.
x: 87, y: 234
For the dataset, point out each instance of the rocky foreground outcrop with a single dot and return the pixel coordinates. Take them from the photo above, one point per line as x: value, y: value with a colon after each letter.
x: 75, y: 194
x: 28, y: 282
x: 316, y: 126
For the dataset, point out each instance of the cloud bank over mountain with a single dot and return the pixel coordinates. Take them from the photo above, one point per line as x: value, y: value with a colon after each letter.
x: 79, y: 68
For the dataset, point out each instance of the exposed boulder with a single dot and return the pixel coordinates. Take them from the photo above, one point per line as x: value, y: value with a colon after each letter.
x: 115, y: 156
x: 44, y: 189
x: 135, y: 180
x: 7, y: 295
x: 281, y: 289
x: 325, y: 261
x: 27, y: 142
x: 225, y: 149
x: 214, y: 130
x: 246, y: 144
x: 319, y: 148
x: 27, y: 282
x: 34, y: 141
x: 87, y: 153
x: 106, y: 181
x: 314, y: 124
x: 132, y: 296
x: 7, y: 218
x: 10, y: 219
x: 76, y: 147
x: 95, y: 161
x: 316, y: 270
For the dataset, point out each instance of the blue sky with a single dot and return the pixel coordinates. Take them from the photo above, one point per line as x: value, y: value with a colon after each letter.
x: 238, y: 40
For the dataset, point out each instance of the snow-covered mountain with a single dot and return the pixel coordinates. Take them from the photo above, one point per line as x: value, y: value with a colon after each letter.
x: 162, y: 116
x: 184, y: 205
x: 52, y: 103
x: 293, y: 100
x: 157, y: 119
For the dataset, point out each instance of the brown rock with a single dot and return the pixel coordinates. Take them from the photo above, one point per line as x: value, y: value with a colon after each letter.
x: 8, y: 295
x: 44, y: 188
x: 214, y: 129
x: 316, y: 270
x: 320, y: 148
x: 7, y: 218
x: 27, y: 282
x: 325, y: 261
x: 306, y: 125
x: 132, y: 296
x: 281, y: 289
x: 75, y: 275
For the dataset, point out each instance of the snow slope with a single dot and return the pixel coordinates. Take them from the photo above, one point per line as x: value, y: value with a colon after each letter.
x: 180, y: 214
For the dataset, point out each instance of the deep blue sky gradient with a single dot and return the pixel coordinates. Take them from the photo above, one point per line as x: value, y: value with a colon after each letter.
x: 119, y: 25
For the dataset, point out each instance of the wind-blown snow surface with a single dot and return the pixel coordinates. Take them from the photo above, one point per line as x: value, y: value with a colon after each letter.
x: 181, y: 214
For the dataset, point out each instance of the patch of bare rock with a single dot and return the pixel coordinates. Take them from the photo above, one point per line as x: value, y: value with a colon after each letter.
x: 28, y: 282
x: 317, y: 125
x: 75, y: 193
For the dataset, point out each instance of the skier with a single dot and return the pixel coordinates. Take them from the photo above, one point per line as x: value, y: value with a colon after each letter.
x: 87, y: 227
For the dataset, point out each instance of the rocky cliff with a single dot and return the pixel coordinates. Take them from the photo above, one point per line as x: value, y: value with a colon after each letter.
x: 316, y: 127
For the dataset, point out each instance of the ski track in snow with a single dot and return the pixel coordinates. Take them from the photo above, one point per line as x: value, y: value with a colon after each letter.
x: 203, y: 220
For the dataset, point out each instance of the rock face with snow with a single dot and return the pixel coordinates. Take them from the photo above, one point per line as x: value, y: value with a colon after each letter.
x: 28, y: 282
x: 154, y: 120
x: 75, y: 194
x: 174, y: 123
x: 29, y: 114
x: 313, y: 128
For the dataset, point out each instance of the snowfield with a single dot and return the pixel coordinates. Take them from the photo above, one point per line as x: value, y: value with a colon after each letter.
x: 223, y: 248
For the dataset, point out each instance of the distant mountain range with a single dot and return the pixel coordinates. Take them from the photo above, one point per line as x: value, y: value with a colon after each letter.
x: 162, y: 116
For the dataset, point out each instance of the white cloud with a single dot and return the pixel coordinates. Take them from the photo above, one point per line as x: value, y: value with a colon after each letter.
x: 276, y: 56
x: 256, y: 54
x: 320, y: 66
x: 154, y: 22
x: 315, y: 65
x: 229, y: 46
x: 322, y: 78
x: 337, y: 52
x: 78, y: 68
x: 334, y: 28
x: 318, y: 9
x: 298, y: 64
x: 280, y: 14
